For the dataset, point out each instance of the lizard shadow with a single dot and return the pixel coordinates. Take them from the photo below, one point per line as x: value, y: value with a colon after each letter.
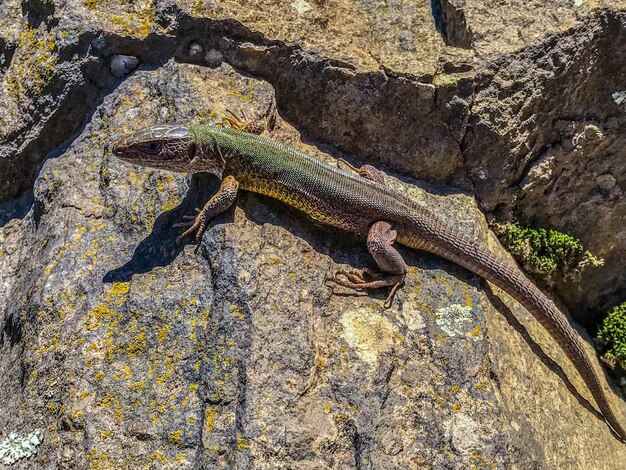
x: 160, y: 247
x: 550, y: 363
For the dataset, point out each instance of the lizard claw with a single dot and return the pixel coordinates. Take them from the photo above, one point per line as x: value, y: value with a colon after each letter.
x: 368, y: 279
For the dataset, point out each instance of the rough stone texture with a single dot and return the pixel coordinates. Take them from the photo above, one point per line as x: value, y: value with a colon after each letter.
x: 130, y: 351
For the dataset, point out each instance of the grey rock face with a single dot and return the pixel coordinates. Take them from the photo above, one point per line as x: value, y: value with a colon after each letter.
x: 130, y: 351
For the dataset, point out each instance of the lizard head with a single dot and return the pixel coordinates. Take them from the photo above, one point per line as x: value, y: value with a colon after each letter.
x: 167, y: 147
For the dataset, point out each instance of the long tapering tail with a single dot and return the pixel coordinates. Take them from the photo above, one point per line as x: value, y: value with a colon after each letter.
x: 430, y: 234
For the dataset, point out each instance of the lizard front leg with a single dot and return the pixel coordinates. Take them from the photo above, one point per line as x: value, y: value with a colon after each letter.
x: 221, y: 201
x: 393, y: 268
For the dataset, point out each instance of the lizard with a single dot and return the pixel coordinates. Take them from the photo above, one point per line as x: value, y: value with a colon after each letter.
x: 353, y: 199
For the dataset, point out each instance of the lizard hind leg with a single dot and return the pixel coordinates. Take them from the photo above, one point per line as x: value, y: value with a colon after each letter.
x: 365, y: 171
x: 393, y: 268
x: 242, y: 122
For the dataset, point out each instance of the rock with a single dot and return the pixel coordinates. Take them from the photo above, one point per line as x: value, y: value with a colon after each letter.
x: 123, y: 64
x: 130, y: 351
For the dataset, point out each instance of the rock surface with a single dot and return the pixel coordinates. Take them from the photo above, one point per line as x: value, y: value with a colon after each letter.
x: 130, y: 351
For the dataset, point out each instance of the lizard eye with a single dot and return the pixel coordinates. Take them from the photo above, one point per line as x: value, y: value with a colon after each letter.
x: 152, y: 147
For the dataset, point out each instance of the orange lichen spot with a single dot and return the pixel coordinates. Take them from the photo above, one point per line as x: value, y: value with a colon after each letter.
x: 193, y: 387
x: 98, y: 376
x: 105, y: 434
x: 456, y: 408
x: 476, y: 331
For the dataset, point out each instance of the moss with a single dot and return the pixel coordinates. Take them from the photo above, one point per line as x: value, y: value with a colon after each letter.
x: 612, y: 335
x: 546, y: 252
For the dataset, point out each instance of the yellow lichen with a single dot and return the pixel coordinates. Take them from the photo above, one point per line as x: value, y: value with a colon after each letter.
x: 242, y: 443
x: 119, y: 412
x: 237, y: 310
x: 209, y: 419
x: 119, y: 288
x: 137, y: 386
x: 34, y: 63
x: 162, y: 332
x: 156, y: 455
x: 176, y: 437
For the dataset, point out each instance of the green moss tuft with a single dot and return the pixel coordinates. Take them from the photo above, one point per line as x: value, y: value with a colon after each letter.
x: 612, y: 334
x: 546, y: 251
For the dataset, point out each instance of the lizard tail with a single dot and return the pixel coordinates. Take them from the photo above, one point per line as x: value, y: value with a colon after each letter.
x: 443, y: 240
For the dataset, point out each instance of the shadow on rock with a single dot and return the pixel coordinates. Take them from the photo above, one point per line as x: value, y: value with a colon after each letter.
x: 160, y: 247
x: 537, y: 350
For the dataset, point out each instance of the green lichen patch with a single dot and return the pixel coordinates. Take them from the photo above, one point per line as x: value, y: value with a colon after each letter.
x: 546, y: 252
x: 612, y: 335
x: 454, y: 320
x: 16, y: 447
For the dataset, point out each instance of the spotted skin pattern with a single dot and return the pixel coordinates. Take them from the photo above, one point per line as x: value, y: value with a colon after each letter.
x: 354, y: 200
